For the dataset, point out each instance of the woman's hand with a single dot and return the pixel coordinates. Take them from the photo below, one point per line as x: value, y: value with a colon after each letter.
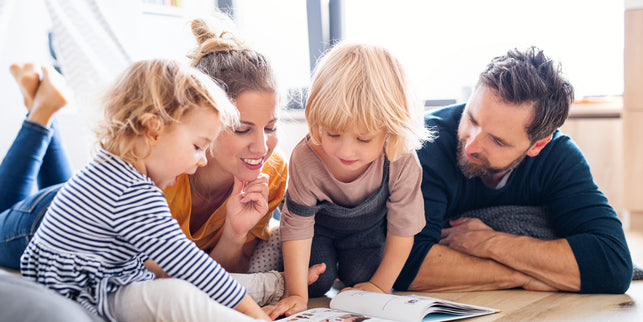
x: 248, y: 203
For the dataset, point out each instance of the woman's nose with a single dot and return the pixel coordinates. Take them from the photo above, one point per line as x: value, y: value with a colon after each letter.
x: 259, y: 145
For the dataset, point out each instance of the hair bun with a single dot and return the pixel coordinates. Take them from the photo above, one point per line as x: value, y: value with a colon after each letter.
x: 209, y: 40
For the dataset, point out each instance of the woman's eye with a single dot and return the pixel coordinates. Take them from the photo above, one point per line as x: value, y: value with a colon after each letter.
x: 270, y: 129
x: 241, y: 131
x: 196, y: 147
x: 364, y: 140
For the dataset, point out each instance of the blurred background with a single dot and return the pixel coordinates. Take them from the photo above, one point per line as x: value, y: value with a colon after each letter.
x: 443, y: 45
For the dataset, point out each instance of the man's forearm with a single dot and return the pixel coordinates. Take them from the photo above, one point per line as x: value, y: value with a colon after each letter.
x: 550, y: 261
x: 445, y: 269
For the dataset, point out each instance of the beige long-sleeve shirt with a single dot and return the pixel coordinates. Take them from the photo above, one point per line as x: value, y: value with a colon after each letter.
x: 310, y: 181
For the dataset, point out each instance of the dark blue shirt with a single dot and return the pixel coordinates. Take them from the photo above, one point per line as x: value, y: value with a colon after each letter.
x: 558, y: 178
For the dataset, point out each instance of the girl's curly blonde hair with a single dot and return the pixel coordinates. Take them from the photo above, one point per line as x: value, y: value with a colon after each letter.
x: 153, y: 95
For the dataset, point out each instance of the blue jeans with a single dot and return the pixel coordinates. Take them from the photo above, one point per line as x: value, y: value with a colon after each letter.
x: 36, y: 155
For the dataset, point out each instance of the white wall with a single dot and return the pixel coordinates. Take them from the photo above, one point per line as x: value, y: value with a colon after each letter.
x: 145, y: 32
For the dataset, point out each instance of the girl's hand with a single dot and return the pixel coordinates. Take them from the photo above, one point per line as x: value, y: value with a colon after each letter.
x: 247, y: 205
x: 249, y: 307
x: 289, y: 306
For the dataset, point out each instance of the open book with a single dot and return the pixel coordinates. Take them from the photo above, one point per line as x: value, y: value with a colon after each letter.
x: 376, y: 307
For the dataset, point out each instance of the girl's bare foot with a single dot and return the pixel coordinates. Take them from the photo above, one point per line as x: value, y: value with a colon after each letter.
x: 28, y: 79
x: 50, y: 97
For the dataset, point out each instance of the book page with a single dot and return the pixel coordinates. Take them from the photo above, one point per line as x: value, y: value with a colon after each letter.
x: 329, y: 315
x: 409, y: 308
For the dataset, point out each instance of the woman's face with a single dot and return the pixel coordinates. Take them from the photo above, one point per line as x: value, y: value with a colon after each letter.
x: 243, y: 151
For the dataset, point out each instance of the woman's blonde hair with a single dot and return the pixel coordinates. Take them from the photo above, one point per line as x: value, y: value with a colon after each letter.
x: 153, y: 95
x: 226, y: 58
x: 364, y: 86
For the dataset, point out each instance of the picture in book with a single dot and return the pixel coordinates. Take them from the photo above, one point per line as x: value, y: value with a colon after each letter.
x: 356, y: 306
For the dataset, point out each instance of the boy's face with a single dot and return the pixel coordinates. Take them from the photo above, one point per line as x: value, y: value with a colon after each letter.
x: 182, y: 148
x: 348, y: 154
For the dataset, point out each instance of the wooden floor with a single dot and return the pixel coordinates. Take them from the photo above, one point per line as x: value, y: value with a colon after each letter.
x: 520, y: 305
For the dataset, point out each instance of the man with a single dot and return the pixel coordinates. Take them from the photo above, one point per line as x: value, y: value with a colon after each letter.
x: 503, y: 151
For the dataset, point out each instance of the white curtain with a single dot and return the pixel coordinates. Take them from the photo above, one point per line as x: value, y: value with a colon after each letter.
x: 87, y: 50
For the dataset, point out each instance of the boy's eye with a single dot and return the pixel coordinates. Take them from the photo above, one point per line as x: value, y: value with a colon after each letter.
x: 333, y: 135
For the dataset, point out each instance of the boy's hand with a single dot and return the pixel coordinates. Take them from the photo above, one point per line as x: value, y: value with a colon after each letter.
x: 289, y: 306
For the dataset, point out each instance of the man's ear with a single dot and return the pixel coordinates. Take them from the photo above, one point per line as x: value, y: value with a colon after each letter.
x: 538, y: 146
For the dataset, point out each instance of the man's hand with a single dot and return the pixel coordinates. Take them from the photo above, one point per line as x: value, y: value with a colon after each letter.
x: 366, y: 286
x: 468, y: 235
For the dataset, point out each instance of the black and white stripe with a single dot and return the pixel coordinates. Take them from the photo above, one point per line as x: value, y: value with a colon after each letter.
x: 100, y: 228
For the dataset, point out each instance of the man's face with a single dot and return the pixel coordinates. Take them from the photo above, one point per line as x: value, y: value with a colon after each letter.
x: 492, y: 135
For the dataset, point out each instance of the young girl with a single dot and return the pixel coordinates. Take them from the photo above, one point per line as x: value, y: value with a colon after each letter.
x: 353, y: 199
x: 109, y: 218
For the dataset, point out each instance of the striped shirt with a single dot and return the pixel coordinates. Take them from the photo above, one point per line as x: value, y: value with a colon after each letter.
x: 101, y: 227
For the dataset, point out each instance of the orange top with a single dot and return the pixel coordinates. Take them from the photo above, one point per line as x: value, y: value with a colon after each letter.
x: 180, y: 202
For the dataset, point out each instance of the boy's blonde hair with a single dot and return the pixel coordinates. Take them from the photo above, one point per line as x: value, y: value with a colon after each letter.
x: 153, y: 95
x: 364, y: 86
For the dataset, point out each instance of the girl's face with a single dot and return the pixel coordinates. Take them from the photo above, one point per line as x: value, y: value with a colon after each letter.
x: 182, y: 148
x: 348, y: 154
x: 243, y: 152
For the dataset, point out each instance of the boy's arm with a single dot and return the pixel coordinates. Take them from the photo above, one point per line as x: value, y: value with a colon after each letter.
x: 296, y: 258
x: 396, y: 251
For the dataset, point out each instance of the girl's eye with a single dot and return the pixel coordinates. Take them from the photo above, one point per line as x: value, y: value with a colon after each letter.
x: 198, y: 148
x: 332, y: 135
x: 364, y: 140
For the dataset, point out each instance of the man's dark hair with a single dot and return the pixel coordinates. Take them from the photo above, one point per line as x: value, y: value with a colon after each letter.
x: 529, y: 76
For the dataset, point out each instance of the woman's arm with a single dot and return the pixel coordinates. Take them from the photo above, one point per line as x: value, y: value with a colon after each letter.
x: 243, y: 211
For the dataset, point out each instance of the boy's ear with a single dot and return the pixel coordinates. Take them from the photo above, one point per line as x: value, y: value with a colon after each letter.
x: 538, y: 146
